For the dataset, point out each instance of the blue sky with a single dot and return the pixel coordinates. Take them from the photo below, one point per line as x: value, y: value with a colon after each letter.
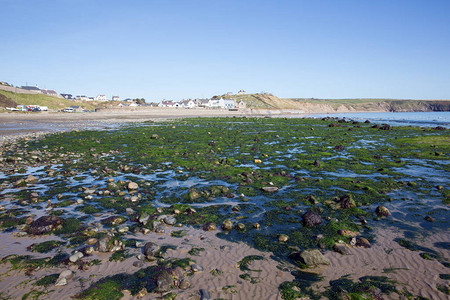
x: 173, y: 49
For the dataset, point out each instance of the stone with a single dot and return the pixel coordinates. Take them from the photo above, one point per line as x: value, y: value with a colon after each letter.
x: 132, y: 186
x: 76, y: 256
x: 341, y: 248
x: 240, y: 226
x: 170, y: 220
x: 227, y: 225
x: 311, y: 218
x: 164, y: 281
x: 129, y: 211
x: 382, y: 211
x: 138, y: 263
x: 429, y: 219
x: 311, y: 257
x: 123, y: 229
x: 346, y: 201
x: 282, y: 238
x: 270, y: 189
x: 143, y: 219
x: 256, y: 225
x: 44, y: 225
x: 31, y: 179
x: 160, y: 228
x: 184, y: 284
x: 196, y: 268
x: 91, y: 241
x: 209, y: 226
x: 104, y: 244
x: 348, y: 233
x: 362, y: 242
x: 64, y: 276
x: 150, y: 249
x: 204, y: 295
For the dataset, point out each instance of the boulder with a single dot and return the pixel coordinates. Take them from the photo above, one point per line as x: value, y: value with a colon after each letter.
x: 164, y: 281
x: 150, y: 249
x: 132, y: 186
x: 270, y: 189
x: 346, y: 201
x: 44, y: 225
x: 104, y: 244
x: 64, y: 276
x: 75, y: 257
x: 31, y: 179
x: 227, y: 225
x: 311, y: 218
x: 362, y: 242
x: 209, y: 226
x: 341, y: 248
x: 170, y: 220
x: 283, y: 238
x: 310, y: 257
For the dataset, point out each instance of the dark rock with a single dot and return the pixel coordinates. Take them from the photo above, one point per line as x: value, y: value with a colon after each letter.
x: 439, y: 128
x: 150, y: 249
x: 367, y: 121
x: 362, y: 242
x: 429, y: 219
x: 346, y: 201
x: 204, y: 295
x: 164, y: 281
x: 311, y: 218
x: 339, y: 147
x: 317, y: 163
x: 44, y: 225
x: 385, y: 127
x: 185, y: 284
x: 311, y: 199
x: 209, y: 226
x: 382, y: 211
x: 341, y: 248
x: 334, y: 125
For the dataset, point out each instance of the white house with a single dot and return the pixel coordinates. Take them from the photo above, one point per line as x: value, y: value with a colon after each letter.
x: 82, y: 97
x: 241, y: 92
x: 166, y: 103
x: 188, y: 103
x: 100, y: 98
x: 221, y: 103
x: 115, y: 98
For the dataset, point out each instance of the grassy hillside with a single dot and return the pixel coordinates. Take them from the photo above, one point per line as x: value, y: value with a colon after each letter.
x: 44, y: 100
x: 6, y: 102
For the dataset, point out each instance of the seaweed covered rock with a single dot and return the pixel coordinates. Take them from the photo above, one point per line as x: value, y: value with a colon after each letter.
x: 345, y: 202
x: 227, y: 225
x: 209, y: 226
x: 382, y: 211
x: 44, y: 225
x: 311, y: 218
x: 150, y: 249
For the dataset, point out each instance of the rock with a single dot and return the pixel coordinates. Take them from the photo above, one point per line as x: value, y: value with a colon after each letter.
x: 31, y: 179
x: 310, y: 257
x: 256, y: 225
x: 235, y: 208
x: 91, y: 241
x: 362, y: 242
x: 184, y: 284
x: 204, y: 295
x: 123, y: 229
x: 150, y: 249
x: 170, y: 220
x: 282, y: 238
x: 129, y: 211
x: 44, y: 225
x: 311, y: 218
x: 134, y: 199
x: 190, y: 211
x: 348, y: 233
x: 138, y: 264
x: 341, y: 248
x: 193, y: 194
x: 227, y: 225
x: 385, y: 127
x: 104, y: 244
x: 346, y: 201
x: 339, y: 147
x: 143, y: 219
x: 382, y: 211
x: 132, y: 186
x: 429, y: 219
x: 164, y: 281
x: 196, y: 268
x: 64, y: 276
x: 316, y: 163
x: 270, y: 189
x: 76, y: 256
x: 209, y: 226
x: 160, y: 228
x: 240, y: 226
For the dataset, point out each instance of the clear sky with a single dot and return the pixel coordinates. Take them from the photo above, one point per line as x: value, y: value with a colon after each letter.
x: 174, y: 49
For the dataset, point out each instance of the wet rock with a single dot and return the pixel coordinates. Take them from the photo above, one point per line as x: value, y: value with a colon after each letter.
x: 204, y: 295
x: 341, y: 248
x: 138, y: 264
x: 31, y: 179
x: 123, y: 229
x: 76, y: 256
x: 270, y: 189
x: 235, y: 208
x: 160, y: 228
x: 143, y: 219
x: 150, y: 249
x: 334, y: 125
x: 132, y: 186
x: 429, y: 219
x: 227, y: 225
x: 196, y: 268
x: 170, y: 220
x: 256, y: 225
x: 345, y: 202
x: 44, y: 225
x: 310, y: 257
x: 283, y: 238
x: 311, y: 218
x: 64, y: 276
x: 113, y: 220
x: 362, y: 242
x: 190, y: 211
x: 209, y: 226
x: 193, y: 194
x: 339, y: 147
x: 311, y: 199
x: 385, y: 127
x: 382, y: 211
x: 129, y: 211
x: 91, y: 241
x: 240, y: 226
x: 316, y: 163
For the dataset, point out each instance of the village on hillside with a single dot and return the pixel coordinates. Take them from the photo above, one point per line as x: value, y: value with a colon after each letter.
x: 216, y: 102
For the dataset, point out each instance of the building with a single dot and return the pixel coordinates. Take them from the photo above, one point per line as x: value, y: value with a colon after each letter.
x: 31, y: 88
x: 68, y: 96
x: 115, y: 98
x: 221, y: 103
x: 167, y: 103
x: 241, y: 92
x: 83, y: 98
x: 188, y: 103
x: 50, y: 93
x: 100, y: 98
